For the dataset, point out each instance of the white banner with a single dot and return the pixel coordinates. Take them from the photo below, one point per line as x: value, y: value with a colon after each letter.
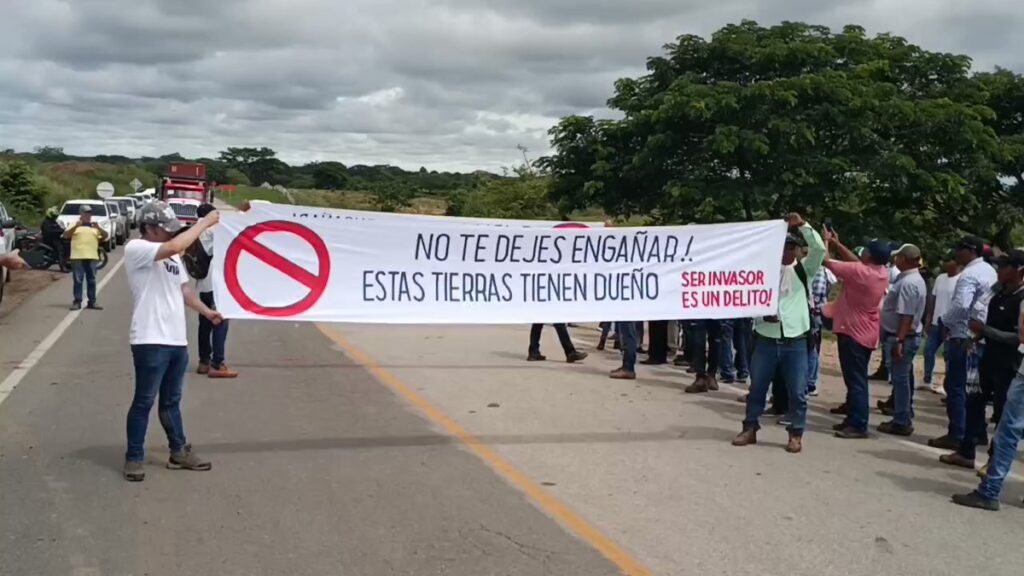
x: 384, y: 271
x: 289, y: 212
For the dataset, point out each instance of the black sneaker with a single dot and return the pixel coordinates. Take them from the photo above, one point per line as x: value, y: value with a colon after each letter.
x: 576, y: 356
x: 895, y: 429
x: 76, y: 306
x: 681, y: 361
x: 851, y: 433
x: 94, y: 306
x: 536, y: 357
x: 975, y: 500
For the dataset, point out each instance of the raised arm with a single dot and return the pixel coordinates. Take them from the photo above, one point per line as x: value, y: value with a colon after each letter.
x: 182, y: 241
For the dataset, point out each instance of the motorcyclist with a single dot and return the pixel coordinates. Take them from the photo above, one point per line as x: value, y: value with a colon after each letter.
x: 51, y: 230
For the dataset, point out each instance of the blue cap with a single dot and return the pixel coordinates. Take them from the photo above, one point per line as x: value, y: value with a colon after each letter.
x: 880, y: 251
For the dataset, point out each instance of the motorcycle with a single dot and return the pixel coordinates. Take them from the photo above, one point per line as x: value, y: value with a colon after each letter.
x: 40, y: 255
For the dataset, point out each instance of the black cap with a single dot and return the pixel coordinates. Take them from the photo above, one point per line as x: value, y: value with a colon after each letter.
x: 1014, y: 258
x: 972, y: 243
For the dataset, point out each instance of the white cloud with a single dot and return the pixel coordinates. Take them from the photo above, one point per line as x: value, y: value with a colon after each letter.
x: 450, y: 84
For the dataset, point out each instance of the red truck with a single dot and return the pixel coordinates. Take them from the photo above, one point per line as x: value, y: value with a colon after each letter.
x: 184, y: 188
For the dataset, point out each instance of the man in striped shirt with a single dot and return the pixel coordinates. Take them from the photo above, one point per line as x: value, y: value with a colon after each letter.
x: 975, y: 281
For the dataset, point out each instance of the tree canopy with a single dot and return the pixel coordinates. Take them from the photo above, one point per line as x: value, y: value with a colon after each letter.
x: 874, y: 132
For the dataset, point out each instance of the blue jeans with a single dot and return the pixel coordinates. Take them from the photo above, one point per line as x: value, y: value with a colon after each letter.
x: 606, y: 328
x: 931, y: 350
x: 814, y: 355
x: 735, y: 336
x: 158, y: 370
x: 84, y: 270
x: 1008, y: 435
x: 956, y: 386
x: 790, y: 358
x: 854, y: 360
x: 212, y: 339
x: 627, y: 339
x: 902, y: 376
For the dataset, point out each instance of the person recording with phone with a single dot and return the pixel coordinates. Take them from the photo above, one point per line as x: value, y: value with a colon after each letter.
x: 86, y: 238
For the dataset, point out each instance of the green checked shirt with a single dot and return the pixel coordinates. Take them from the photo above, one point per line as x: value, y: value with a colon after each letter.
x: 794, y: 310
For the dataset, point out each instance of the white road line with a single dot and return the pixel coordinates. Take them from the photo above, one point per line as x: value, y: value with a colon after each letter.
x: 23, y: 368
x: 940, y: 452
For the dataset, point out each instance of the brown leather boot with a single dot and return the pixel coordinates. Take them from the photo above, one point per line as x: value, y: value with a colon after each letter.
x: 795, y: 445
x: 711, y: 382
x: 699, y: 386
x: 746, y: 438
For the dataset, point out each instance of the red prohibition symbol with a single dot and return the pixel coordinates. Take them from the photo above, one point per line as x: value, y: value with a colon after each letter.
x: 246, y: 242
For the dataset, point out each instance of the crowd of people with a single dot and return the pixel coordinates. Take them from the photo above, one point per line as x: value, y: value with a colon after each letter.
x: 875, y: 297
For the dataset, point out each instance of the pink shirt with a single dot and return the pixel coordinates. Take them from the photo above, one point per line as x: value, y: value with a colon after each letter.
x: 857, y: 311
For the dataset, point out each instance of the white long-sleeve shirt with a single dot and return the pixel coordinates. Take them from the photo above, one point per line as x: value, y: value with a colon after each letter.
x: 975, y: 281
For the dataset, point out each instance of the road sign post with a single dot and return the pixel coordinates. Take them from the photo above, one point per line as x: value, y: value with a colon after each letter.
x: 104, y: 190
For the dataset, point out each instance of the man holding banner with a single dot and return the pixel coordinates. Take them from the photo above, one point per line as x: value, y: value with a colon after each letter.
x: 782, y: 340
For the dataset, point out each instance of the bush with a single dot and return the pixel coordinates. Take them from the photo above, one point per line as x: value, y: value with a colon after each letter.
x: 524, y: 198
x: 19, y: 190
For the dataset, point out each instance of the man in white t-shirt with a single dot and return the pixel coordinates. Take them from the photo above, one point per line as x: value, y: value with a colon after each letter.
x: 160, y: 291
x: 938, y: 304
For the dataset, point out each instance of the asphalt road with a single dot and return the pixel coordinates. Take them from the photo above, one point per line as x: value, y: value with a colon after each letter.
x: 383, y: 450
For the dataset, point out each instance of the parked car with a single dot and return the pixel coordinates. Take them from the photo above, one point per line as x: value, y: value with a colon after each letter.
x: 120, y: 220
x: 72, y: 211
x: 7, y: 239
x: 128, y: 208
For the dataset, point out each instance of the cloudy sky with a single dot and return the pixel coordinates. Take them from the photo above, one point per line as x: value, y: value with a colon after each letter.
x: 447, y: 84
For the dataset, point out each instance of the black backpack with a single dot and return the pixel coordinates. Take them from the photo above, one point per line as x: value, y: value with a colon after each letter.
x: 197, y: 261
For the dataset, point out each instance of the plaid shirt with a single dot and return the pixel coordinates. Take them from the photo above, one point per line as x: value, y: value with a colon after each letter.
x: 821, y: 285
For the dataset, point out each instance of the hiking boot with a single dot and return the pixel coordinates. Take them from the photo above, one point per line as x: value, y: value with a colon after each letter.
x: 880, y: 375
x: 851, y: 433
x: 203, y: 368
x: 536, y: 357
x: 795, y: 444
x: 133, y: 471
x: 895, y: 429
x: 699, y: 386
x: 94, y: 306
x: 840, y: 410
x: 76, y: 305
x: 944, y: 443
x: 975, y: 500
x: 955, y: 459
x: 221, y: 372
x: 711, y: 383
x: 187, y: 460
x: 622, y: 374
x: 746, y: 438
x: 575, y: 356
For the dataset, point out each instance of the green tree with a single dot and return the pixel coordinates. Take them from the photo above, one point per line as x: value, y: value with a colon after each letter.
x: 258, y: 164
x: 236, y: 176
x: 18, y: 188
x: 391, y: 197
x: 330, y: 175
x: 525, y: 197
x: 874, y: 132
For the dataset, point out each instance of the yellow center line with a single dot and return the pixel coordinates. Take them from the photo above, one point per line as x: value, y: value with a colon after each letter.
x: 540, y: 497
